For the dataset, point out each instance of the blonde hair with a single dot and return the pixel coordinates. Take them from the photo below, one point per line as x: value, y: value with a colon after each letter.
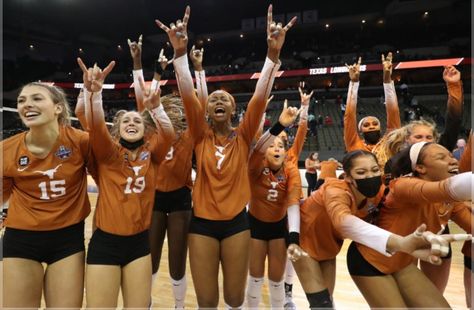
x: 396, y: 140
x: 58, y: 97
x: 422, y: 122
x: 147, y: 121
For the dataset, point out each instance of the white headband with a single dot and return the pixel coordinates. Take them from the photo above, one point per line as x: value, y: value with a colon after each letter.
x: 359, y: 126
x: 415, y: 152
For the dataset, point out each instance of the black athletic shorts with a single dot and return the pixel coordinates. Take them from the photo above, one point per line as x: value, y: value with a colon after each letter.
x: 44, y: 246
x: 110, y: 249
x: 358, y: 265
x: 219, y: 229
x: 268, y: 230
x: 177, y: 200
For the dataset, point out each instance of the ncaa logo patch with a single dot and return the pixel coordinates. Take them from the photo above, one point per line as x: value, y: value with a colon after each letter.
x: 23, y: 161
x: 63, y: 152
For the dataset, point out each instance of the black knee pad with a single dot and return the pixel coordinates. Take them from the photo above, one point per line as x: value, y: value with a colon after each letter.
x: 320, y: 300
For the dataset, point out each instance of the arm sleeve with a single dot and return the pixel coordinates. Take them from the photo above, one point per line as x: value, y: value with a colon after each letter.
x: 201, y: 87
x: 258, y: 102
x: 165, y: 132
x: 351, y: 136
x: 294, y: 187
x: 257, y: 155
x: 453, y: 116
x: 192, y: 107
x: 391, y: 105
x: 294, y: 218
x: 80, y: 111
x: 99, y: 136
x: 337, y: 203
x: 138, y: 91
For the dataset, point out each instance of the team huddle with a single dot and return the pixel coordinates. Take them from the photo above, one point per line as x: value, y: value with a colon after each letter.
x: 245, y: 207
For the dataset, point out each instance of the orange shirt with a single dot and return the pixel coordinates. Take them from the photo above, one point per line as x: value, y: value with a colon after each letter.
x: 50, y: 193
x: 222, y: 187
x: 328, y: 169
x: 352, y: 140
x: 321, y: 216
x: 126, y: 185
x: 174, y: 171
x: 272, y: 193
x: 411, y: 202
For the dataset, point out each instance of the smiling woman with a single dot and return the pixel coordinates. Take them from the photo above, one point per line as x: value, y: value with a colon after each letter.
x: 44, y: 180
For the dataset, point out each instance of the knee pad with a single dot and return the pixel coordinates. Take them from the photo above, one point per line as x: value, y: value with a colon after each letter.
x: 320, y: 299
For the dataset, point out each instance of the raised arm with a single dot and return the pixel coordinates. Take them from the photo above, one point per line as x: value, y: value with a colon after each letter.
x: 178, y: 36
x: 100, y: 139
x: 136, y: 53
x: 164, y: 138
x: 452, y: 77
x: 80, y: 110
x: 303, y: 123
x: 197, y: 56
x: 351, y: 136
x: 287, y: 117
x: 275, y: 38
x: 391, y: 101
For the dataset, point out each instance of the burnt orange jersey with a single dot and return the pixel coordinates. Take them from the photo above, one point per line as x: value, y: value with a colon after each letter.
x: 272, y: 192
x: 411, y: 202
x: 352, y: 140
x: 126, y: 184
x: 322, y: 213
x: 175, y: 170
x: 222, y: 188
x: 49, y: 193
x: 328, y: 169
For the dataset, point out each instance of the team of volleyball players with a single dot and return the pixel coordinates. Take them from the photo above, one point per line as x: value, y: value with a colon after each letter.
x: 245, y: 206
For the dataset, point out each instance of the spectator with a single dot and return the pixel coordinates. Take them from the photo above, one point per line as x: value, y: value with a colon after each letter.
x: 320, y: 121
x: 460, y: 145
x: 328, y: 121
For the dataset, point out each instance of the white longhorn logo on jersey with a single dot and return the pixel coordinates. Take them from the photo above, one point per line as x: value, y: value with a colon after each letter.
x: 50, y: 173
x: 220, y: 154
x: 274, y: 184
x: 136, y: 169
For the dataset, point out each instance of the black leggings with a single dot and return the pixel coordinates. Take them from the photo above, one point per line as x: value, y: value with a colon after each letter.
x: 311, y: 179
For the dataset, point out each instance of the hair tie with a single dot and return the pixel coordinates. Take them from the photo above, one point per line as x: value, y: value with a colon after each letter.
x: 415, y: 152
x: 359, y: 126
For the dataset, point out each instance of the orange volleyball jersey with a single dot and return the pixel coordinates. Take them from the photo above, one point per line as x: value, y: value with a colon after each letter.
x: 272, y: 193
x: 321, y: 216
x: 49, y: 193
x: 174, y: 171
x: 410, y: 202
x: 126, y: 184
x: 222, y: 188
x: 328, y: 169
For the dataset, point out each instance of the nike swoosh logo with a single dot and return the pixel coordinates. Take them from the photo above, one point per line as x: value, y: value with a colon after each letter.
x: 21, y: 169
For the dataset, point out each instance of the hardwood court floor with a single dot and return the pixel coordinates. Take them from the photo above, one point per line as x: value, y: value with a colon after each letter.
x: 346, y: 294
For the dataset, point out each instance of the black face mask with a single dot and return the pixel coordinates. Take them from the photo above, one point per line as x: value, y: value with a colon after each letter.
x: 369, y: 187
x: 372, y: 137
x: 131, y: 145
